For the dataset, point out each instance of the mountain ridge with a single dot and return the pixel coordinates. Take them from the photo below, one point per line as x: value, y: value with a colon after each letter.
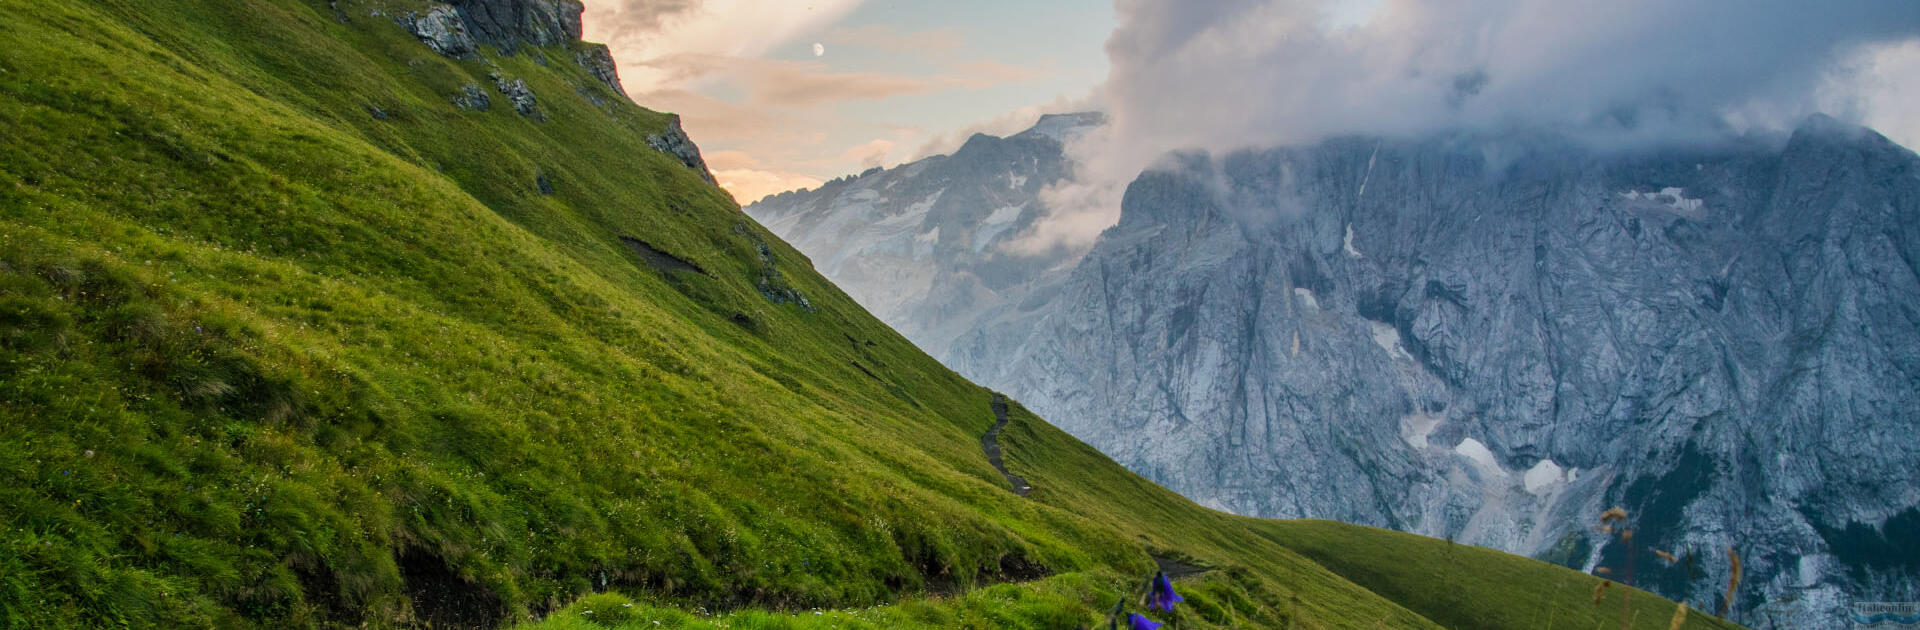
x: 1498, y: 317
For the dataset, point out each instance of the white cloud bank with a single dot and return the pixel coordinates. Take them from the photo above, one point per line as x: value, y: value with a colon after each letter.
x: 645, y: 33
x: 1227, y: 74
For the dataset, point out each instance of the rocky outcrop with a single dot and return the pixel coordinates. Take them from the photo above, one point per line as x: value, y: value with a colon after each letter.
x: 674, y: 141
x: 928, y: 245
x: 519, y: 95
x: 508, y: 24
x: 443, y: 30
x: 599, y: 62
x: 472, y: 97
x: 460, y: 28
x: 1493, y: 339
x: 773, y: 283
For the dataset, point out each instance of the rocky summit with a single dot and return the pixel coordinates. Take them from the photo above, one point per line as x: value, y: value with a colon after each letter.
x: 460, y: 29
x: 1495, y: 339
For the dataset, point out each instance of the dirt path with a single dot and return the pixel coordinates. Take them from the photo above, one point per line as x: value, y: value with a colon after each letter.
x: 991, y: 444
x: 1176, y: 568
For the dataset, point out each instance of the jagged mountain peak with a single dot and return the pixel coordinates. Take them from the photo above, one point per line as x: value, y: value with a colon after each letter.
x: 933, y: 245
x: 1064, y: 127
x: 1491, y: 337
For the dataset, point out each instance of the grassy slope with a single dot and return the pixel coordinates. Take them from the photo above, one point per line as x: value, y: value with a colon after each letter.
x: 258, y: 346
x: 1462, y: 586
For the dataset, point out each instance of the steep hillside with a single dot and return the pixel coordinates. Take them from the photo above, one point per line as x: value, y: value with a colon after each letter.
x: 375, y: 313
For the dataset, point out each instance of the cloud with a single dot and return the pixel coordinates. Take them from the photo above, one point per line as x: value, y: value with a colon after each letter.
x: 744, y: 76
x: 781, y: 83
x: 1227, y: 74
x: 641, y: 32
x: 1879, y: 87
x: 716, y: 121
x: 802, y: 84
x: 869, y: 154
x: 640, y: 15
x: 1002, y: 125
x: 749, y: 180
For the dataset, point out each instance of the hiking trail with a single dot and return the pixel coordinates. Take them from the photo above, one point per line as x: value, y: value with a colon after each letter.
x: 991, y: 444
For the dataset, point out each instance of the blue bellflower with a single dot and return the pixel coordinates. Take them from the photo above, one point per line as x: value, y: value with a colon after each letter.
x: 1137, y: 622
x: 1161, y: 596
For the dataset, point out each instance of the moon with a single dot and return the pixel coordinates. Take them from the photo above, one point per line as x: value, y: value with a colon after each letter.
x: 819, y: 49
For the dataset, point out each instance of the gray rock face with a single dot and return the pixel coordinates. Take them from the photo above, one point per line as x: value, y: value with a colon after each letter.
x: 519, y: 95
x: 443, y: 30
x: 674, y: 141
x: 472, y: 97
x: 458, y: 29
x: 599, y: 62
x: 509, y: 23
x: 927, y: 245
x: 1495, y: 339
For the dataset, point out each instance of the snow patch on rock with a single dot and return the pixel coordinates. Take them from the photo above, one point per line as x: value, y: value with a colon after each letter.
x: 1543, y: 476
x: 1005, y: 214
x: 1672, y: 198
x: 1064, y: 128
x: 920, y: 208
x: 1481, y: 457
x: 1347, y: 245
x: 997, y: 223
x: 1388, y: 338
x: 1416, y: 427
x: 1306, y: 298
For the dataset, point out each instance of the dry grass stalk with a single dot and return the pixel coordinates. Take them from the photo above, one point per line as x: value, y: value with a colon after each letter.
x: 1679, y: 617
x: 1600, y: 592
x: 1670, y: 558
x: 1626, y: 608
x: 1733, y: 582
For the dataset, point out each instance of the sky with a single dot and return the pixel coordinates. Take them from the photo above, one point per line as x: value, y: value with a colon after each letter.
x: 783, y: 94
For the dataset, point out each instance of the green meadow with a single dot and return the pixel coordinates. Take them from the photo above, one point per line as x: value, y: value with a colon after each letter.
x: 289, y: 340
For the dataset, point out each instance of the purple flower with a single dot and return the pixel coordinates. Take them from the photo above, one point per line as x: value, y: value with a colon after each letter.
x: 1161, y: 596
x: 1137, y: 622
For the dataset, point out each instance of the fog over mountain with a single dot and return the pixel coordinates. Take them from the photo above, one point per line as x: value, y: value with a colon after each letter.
x: 1263, y: 73
x: 926, y: 246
